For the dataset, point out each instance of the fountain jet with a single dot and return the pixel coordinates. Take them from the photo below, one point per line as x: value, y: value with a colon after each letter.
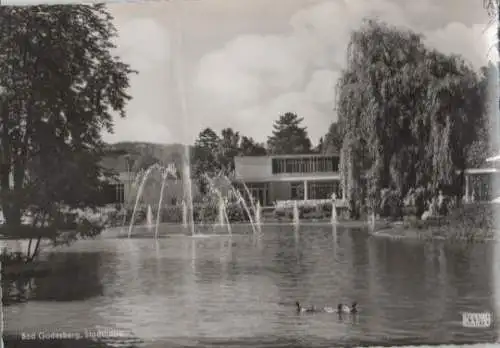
x: 296, y: 217
x: 164, y: 171
x: 149, y: 217
x: 334, y: 210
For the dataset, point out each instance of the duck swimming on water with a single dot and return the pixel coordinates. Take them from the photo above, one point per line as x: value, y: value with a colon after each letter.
x: 342, y: 308
x: 301, y: 309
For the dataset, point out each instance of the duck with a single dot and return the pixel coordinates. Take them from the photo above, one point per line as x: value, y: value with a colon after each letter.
x: 329, y: 310
x: 343, y: 308
x: 301, y: 309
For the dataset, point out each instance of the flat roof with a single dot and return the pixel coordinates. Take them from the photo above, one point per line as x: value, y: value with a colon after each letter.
x: 312, y: 155
x: 493, y: 159
x: 481, y: 170
x: 333, y: 177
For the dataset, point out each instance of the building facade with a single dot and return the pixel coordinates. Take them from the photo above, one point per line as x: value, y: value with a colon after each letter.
x: 289, y: 177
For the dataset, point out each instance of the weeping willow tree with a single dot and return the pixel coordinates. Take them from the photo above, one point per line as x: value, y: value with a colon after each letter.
x: 406, y: 112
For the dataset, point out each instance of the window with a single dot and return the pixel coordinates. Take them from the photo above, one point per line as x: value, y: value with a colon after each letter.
x: 323, y: 189
x: 113, y: 193
x: 313, y: 164
x: 120, y: 193
x: 274, y: 166
x: 297, y: 191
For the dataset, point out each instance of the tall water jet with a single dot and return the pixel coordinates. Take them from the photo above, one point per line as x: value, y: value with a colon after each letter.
x: 334, y: 210
x: 296, y: 217
x: 149, y: 217
x: 178, y: 71
x: 184, y: 214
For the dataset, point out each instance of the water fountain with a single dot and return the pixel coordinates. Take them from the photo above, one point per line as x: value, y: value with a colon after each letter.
x: 333, y: 219
x: 372, y: 221
x: 222, y: 208
x: 184, y: 214
x: 334, y: 214
x: 223, y: 218
x: 239, y: 198
x: 296, y: 217
x: 165, y: 172
x: 149, y: 217
x: 164, y: 176
x: 258, y: 212
x: 138, y: 196
x: 187, y: 204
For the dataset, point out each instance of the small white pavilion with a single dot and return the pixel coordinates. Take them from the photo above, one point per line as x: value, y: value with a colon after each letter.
x: 494, y: 159
x: 480, y: 188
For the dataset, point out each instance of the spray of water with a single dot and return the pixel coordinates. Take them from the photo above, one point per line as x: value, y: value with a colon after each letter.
x: 139, y: 195
x: 164, y: 177
x: 134, y: 185
x: 296, y: 217
x: 178, y: 69
x: 224, y: 218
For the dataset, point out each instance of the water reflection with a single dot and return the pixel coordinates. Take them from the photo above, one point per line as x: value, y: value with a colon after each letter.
x: 228, y: 287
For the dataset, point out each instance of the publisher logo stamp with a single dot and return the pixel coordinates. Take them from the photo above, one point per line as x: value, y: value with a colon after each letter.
x: 480, y: 320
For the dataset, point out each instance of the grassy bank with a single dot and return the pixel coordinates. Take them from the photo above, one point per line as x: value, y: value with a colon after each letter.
x: 470, y: 222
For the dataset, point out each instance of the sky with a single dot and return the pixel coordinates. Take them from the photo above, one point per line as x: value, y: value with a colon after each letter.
x: 242, y: 63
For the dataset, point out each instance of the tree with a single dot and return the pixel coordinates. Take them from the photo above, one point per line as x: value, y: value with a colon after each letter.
x: 228, y: 149
x: 406, y: 113
x: 144, y: 160
x: 333, y: 139
x: 484, y: 143
x: 60, y: 85
x: 288, y: 136
x: 248, y: 147
x: 492, y: 7
x: 205, y: 154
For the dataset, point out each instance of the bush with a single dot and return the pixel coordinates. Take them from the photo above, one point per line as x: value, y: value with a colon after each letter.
x: 391, y: 204
x: 471, y: 222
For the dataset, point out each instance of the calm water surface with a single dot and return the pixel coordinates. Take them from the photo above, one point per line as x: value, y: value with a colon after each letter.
x: 239, y: 290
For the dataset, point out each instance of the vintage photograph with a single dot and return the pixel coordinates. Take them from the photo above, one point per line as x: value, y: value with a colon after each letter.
x: 248, y: 173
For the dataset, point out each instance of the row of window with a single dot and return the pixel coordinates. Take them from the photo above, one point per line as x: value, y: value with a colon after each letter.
x: 305, y: 165
x: 316, y: 190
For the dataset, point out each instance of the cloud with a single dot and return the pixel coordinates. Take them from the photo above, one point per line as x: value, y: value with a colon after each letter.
x: 139, y: 125
x: 145, y: 45
x: 456, y: 38
x: 251, y: 66
x: 254, y: 78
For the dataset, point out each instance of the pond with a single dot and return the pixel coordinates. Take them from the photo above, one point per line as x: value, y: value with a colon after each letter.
x: 240, y: 290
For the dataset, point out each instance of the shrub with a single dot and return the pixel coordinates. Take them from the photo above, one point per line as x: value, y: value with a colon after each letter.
x: 391, y: 204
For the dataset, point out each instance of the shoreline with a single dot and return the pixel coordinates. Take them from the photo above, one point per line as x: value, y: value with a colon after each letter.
x: 429, y: 234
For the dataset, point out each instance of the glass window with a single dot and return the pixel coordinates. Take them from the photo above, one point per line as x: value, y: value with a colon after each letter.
x: 335, y: 163
x: 275, y: 166
x: 297, y: 191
